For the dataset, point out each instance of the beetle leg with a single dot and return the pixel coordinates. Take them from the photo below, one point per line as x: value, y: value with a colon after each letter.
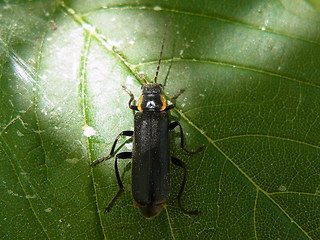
x: 133, y: 107
x: 123, y: 155
x: 174, y: 99
x: 172, y: 126
x: 181, y: 164
x: 178, y: 93
x: 100, y: 160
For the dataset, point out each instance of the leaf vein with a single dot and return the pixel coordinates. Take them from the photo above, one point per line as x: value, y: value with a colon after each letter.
x: 17, y: 168
x: 267, y: 136
x: 85, y: 112
x: 237, y: 66
x: 223, y: 19
x: 213, y: 142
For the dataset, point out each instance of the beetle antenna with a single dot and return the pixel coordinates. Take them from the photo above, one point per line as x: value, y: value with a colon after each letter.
x: 158, y: 67
x: 141, y: 77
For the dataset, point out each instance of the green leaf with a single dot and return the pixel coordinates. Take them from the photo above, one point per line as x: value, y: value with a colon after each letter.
x: 251, y: 72
x: 315, y: 4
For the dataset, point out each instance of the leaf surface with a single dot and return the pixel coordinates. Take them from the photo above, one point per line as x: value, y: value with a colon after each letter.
x: 251, y: 72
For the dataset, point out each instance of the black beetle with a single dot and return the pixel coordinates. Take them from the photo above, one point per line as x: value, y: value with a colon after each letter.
x: 151, y: 150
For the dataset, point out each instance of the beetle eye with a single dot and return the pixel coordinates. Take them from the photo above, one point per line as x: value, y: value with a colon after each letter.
x: 161, y: 85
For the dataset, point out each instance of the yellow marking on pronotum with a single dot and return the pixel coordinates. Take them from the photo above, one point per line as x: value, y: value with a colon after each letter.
x: 139, y: 103
x: 164, y: 105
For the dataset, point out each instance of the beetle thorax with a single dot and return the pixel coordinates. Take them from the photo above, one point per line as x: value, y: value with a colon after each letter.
x: 151, y: 99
